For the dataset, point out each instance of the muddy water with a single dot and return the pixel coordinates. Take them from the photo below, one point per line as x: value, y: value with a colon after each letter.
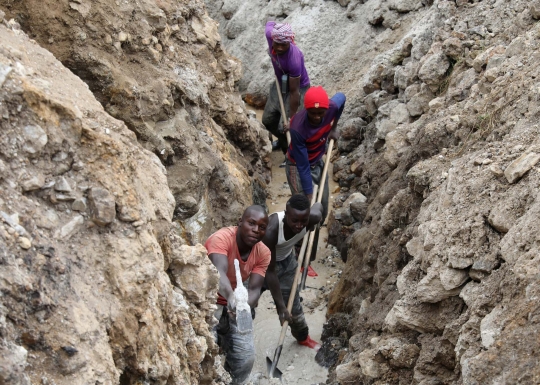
x: 297, y: 362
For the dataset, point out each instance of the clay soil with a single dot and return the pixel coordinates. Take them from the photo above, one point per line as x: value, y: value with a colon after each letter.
x: 297, y: 362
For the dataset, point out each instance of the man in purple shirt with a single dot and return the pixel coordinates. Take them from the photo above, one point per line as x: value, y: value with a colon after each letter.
x: 288, y: 63
x: 310, y: 130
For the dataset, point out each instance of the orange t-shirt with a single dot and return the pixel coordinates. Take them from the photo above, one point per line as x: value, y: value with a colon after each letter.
x: 224, y: 242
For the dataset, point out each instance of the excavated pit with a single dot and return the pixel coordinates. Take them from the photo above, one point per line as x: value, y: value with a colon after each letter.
x: 124, y: 144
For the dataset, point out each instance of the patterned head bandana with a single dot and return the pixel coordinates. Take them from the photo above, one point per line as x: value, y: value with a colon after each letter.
x: 282, y: 33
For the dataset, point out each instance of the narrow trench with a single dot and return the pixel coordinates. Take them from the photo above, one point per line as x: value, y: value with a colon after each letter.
x: 297, y: 362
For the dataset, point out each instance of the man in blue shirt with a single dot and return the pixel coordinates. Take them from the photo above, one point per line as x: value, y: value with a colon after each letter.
x: 310, y: 129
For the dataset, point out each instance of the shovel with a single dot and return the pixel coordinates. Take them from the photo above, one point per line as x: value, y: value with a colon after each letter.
x: 283, y: 113
x: 307, y: 260
x: 271, y: 365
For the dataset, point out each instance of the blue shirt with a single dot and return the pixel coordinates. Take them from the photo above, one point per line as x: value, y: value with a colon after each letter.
x: 308, y: 142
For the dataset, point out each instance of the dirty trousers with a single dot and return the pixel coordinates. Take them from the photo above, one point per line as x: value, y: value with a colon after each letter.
x: 286, y: 271
x: 272, y: 113
x: 239, y: 348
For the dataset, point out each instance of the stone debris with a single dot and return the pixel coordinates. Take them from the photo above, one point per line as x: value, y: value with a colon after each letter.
x: 434, y: 69
x: 520, y: 166
x: 25, y: 243
x: 33, y: 183
x: 35, y: 138
x: 62, y: 185
x: 79, y: 205
x: 102, y: 206
x: 66, y: 231
x: 12, y: 221
x: 4, y: 73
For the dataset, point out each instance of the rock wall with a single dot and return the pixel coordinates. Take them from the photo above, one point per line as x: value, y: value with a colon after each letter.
x: 447, y: 165
x: 338, y: 42
x: 437, y: 215
x: 97, y: 284
x: 159, y: 67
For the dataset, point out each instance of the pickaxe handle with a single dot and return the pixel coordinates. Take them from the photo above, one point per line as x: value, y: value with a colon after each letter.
x: 319, y: 199
x: 277, y: 352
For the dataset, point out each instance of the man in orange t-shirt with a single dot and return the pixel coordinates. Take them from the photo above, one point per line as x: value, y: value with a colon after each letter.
x: 240, y: 242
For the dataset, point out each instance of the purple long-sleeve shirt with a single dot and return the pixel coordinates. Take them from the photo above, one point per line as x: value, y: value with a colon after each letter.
x: 290, y: 63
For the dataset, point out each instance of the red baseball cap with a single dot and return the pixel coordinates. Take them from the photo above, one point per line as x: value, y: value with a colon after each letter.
x: 316, y: 97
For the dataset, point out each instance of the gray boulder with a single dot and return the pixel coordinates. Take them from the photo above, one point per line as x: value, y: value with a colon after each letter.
x: 434, y: 70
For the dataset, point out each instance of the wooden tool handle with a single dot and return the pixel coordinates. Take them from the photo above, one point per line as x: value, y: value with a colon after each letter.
x: 297, y: 275
x: 283, y: 111
x: 322, y: 184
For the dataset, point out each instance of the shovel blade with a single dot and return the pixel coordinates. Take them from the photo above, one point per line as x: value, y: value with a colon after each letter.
x: 277, y: 373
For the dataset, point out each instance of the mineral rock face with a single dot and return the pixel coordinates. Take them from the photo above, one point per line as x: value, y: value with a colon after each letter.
x: 83, y: 303
x: 159, y: 67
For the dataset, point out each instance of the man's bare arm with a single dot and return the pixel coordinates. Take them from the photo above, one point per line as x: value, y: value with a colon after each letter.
x: 221, y: 263
x: 315, y: 215
x: 254, y: 289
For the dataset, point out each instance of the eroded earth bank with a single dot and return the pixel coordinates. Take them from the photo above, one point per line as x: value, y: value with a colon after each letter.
x: 123, y: 145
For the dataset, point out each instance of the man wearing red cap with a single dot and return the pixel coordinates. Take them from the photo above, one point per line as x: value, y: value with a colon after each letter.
x: 288, y: 63
x: 310, y: 129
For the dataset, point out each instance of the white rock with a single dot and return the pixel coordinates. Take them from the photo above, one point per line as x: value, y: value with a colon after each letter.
x: 35, y: 138
x: 5, y: 70
x: 520, y: 166
x: 122, y: 37
x: 384, y: 127
x: 396, y: 144
x: 391, y: 322
x: 491, y: 74
x: 62, y: 185
x: 434, y: 69
x: 431, y: 290
x: 348, y: 372
x: 47, y: 219
x: 419, y: 103
x: 496, y: 170
x: 490, y: 326
x: 481, y: 60
x: 404, y: 6
x: 66, y: 231
x: 400, y: 114
x: 25, y: 243
x: 33, y: 183
x: 500, y: 220
x: 369, y: 366
x: 452, y: 278
x: 436, y: 103
x: 355, y: 197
